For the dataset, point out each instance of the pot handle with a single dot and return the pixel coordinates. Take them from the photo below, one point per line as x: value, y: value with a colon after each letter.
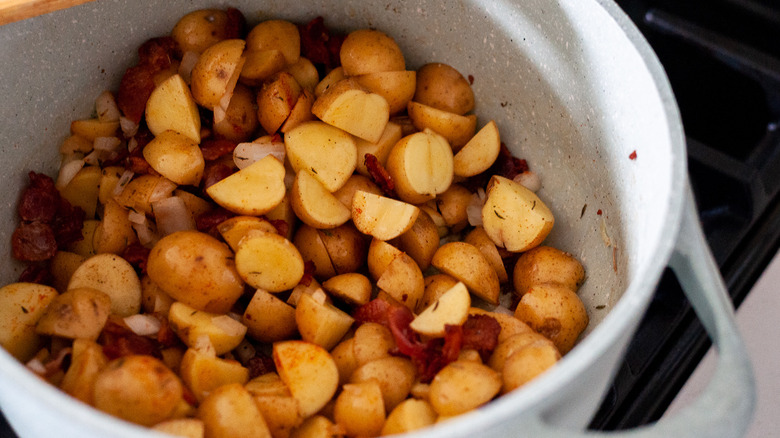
x: 725, y: 407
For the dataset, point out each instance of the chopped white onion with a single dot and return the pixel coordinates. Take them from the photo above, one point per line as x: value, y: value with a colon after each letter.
x: 529, y: 180
x: 68, y: 170
x: 220, y: 111
x: 228, y: 325
x: 105, y: 105
x: 132, y: 144
x: 188, y: 61
x: 109, y: 144
x: 203, y: 345
x: 129, y: 127
x: 35, y: 365
x: 474, y: 209
x: 125, y: 178
x: 93, y: 158
x: 247, y: 153
x: 171, y: 215
x: 147, y: 235
x: 136, y: 217
x: 143, y: 325
x: 162, y: 190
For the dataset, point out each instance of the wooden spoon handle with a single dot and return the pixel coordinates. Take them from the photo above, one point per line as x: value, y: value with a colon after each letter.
x: 16, y: 10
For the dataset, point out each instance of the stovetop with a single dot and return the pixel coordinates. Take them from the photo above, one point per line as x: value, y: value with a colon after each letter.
x: 723, y: 62
x: 722, y: 58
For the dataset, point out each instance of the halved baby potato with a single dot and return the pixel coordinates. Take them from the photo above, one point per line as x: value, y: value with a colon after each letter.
x: 276, y: 100
x: 237, y: 227
x: 269, y: 319
x: 326, y: 151
x: 176, y: 157
x: 466, y: 263
x: 309, y: 372
x: 479, y: 153
x: 403, y: 280
x: 351, y: 287
x: 421, y: 166
x: 224, y: 332
x: 452, y: 308
x: 319, y: 321
x: 350, y: 107
x: 253, y: 190
x: 315, y: 205
x: 514, y: 217
x: 397, y: 87
x: 216, y: 72
x: 114, y: 276
x: 457, y: 129
x: 278, y: 35
x: 268, y: 261
x: 382, y: 217
x: 368, y: 51
x: 172, y: 107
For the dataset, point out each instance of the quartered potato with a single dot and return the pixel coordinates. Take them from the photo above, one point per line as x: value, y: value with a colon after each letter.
x: 479, y: 153
x: 381, y: 217
x: 171, y: 107
x: 351, y: 108
x: 309, y: 373
x: 224, y: 332
x: 114, y: 276
x: 176, y: 157
x: 21, y: 306
x: 452, y: 308
x: 276, y: 100
x: 421, y: 166
x: 79, y: 313
x: 319, y: 322
x: 253, y: 190
x: 457, y: 129
x: 216, y: 72
x: 467, y: 264
x: 315, y: 205
x: 269, y: 319
x: 327, y: 152
x: 268, y: 261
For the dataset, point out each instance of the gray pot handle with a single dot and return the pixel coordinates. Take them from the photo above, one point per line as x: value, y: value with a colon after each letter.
x: 725, y: 407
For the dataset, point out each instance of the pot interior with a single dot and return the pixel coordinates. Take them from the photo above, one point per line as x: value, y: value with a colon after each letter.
x: 569, y: 91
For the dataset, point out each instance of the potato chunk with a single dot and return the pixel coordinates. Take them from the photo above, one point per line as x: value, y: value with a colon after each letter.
x: 21, y: 306
x: 171, y: 107
x: 176, y: 157
x: 554, y: 311
x: 268, y: 261
x: 253, y: 190
x: 79, y: 313
x: 308, y: 371
x: 462, y: 386
x: 327, y: 152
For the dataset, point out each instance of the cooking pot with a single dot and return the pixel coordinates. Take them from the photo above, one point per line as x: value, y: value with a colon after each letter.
x: 574, y: 89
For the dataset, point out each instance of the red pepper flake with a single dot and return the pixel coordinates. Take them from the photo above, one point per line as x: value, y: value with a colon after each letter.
x: 380, y: 175
x: 319, y: 45
x: 632, y: 156
x: 216, y: 148
x: 309, y: 269
x: 599, y: 212
x: 137, y: 255
x: 471, y: 79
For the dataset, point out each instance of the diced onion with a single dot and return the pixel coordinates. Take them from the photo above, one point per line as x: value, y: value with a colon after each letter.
x: 474, y: 209
x: 35, y: 365
x: 529, y: 180
x: 146, y: 234
x: 188, y: 61
x: 171, y: 215
x: 93, y: 158
x: 68, y: 170
x: 132, y: 144
x: 162, y: 190
x: 220, y: 111
x: 228, y: 325
x: 143, y: 325
x: 129, y: 127
x: 109, y: 144
x: 125, y: 178
x: 136, y: 217
x: 105, y: 105
x: 247, y: 153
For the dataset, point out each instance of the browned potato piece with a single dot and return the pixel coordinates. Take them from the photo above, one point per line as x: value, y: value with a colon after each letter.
x: 380, y: 255
x: 320, y: 322
x: 309, y: 372
x: 512, y: 344
x: 397, y: 87
x: 466, y: 263
x: 435, y: 286
x: 317, y: 426
x: 82, y: 191
x: 309, y: 242
x: 87, y: 361
x: 305, y: 73
x: 196, y: 269
x: 457, y: 129
x: 326, y: 151
x: 462, y: 386
x: 372, y: 341
x: 514, y: 217
x: 351, y: 287
x: 275, y: 402
x: 421, y: 166
x: 481, y: 240
x: 84, y: 247
x: 141, y: 191
x: 199, y: 30
x: 261, y: 65
x: 182, y: 427
x: 394, y: 374
x: 115, y: 231
x: 545, y: 264
x: 239, y: 192
x: 421, y: 241
x: 63, y: 265
x: 176, y: 157
x: 332, y: 78
x: 409, y: 415
x: 204, y: 372
x: 315, y: 205
x: 21, y: 306
x: 78, y: 313
x: 452, y: 204
x: 527, y: 363
x: 191, y: 325
x: 369, y: 51
x: 360, y: 409
x: 554, y: 311
x: 93, y: 128
x: 268, y: 261
x: 276, y: 99
x: 240, y: 120
x: 269, y: 319
x: 108, y: 181
x: 230, y: 411
x: 278, y: 35
x: 114, y: 276
x: 216, y: 72
x: 354, y: 183
x: 479, y: 153
x: 300, y: 113
x: 403, y: 280
x: 154, y: 299
x: 172, y: 107
x: 382, y: 217
x: 443, y: 87
x: 140, y: 389
x: 349, y: 106
x: 237, y: 227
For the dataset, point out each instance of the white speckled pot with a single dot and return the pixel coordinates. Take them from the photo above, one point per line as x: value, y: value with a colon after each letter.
x: 574, y: 89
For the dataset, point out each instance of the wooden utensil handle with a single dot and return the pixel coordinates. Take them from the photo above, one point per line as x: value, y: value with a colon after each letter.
x: 16, y: 10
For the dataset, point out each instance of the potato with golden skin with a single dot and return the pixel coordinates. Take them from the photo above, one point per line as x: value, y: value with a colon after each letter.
x: 230, y: 411
x: 240, y: 121
x: 462, y: 386
x: 199, y: 30
x: 196, y: 269
x: 442, y: 86
x: 527, y: 363
x: 370, y: 51
x: 216, y: 72
x: 139, y: 389
x: 545, y: 264
x: 79, y: 313
x: 360, y: 408
x: 554, y: 311
x: 466, y: 263
x: 21, y: 306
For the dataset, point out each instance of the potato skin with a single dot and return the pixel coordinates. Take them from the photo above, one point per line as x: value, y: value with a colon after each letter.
x: 443, y: 87
x: 240, y: 120
x: 198, y: 30
x: 554, y: 311
x: 196, y: 269
x: 545, y: 264
x: 370, y: 51
x: 138, y: 388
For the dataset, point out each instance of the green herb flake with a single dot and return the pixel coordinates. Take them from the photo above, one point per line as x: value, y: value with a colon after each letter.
x: 498, y: 215
x: 24, y: 309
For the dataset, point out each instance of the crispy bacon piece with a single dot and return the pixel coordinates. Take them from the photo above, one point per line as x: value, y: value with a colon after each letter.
x: 380, y: 175
x: 505, y: 165
x: 158, y: 52
x: 214, y: 173
x: 33, y: 242
x: 137, y: 83
x: 318, y: 45
x: 236, y: 24
x: 480, y: 332
x: 39, y: 199
x: 215, y: 148
x: 309, y: 269
x: 67, y: 223
x: 137, y: 255
x: 119, y: 341
x: 259, y: 365
x: 281, y: 225
x: 39, y: 273
x: 208, y: 221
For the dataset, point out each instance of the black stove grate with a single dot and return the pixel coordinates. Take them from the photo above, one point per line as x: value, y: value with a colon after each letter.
x: 723, y: 62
